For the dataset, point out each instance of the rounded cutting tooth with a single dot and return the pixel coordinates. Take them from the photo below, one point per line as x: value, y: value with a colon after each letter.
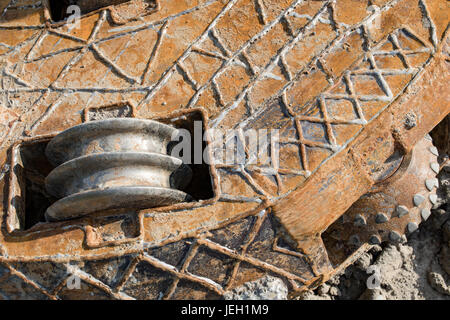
x: 374, y: 239
x: 434, y: 151
x: 431, y: 183
x: 394, y: 236
x: 401, y: 211
x: 435, y: 167
x: 359, y: 220
x: 425, y: 213
x: 433, y: 198
x: 418, y: 199
x: 412, y: 227
x: 381, y: 218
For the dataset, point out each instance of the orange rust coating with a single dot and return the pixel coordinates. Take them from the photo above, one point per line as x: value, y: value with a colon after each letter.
x: 313, y: 207
x: 331, y: 75
x: 431, y: 90
x: 174, y: 93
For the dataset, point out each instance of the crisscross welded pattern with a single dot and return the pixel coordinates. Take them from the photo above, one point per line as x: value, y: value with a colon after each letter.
x: 249, y: 247
x: 38, y: 93
x: 328, y: 118
x: 109, y: 46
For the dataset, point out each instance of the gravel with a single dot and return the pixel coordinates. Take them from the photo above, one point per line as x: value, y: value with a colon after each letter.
x: 266, y: 288
x: 418, y: 269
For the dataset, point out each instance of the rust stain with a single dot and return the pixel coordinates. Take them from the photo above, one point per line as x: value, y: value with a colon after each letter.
x: 335, y: 78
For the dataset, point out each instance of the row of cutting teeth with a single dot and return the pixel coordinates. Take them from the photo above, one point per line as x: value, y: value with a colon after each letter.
x: 401, y: 210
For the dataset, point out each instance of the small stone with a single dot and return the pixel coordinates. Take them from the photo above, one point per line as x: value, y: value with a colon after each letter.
x: 372, y: 294
x: 394, y: 236
x: 418, y: 199
x: 376, y: 248
x: 381, y: 218
x: 360, y: 221
x: 266, y: 288
x: 378, y: 296
x: 436, y: 280
x: 401, y: 211
x: 334, y: 291
x: 323, y: 289
x: 430, y: 184
x: 425, y: 213
x: 410, y: 120
x: 334, y: 281
x: 375, y: 240
x: 435, y: 167
x: 364, y: 261
x: 434, y: 151
x: 307, y: 295
x: 433, y: 198
x: 412, y: 227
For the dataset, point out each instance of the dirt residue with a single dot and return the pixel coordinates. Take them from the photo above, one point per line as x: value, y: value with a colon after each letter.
x: 417, y: 269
